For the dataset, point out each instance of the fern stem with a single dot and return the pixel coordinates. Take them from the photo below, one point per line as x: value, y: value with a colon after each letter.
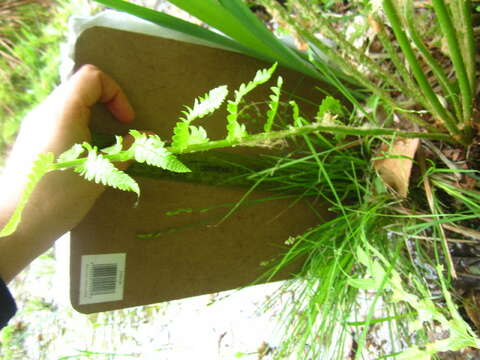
x: 265, y: 138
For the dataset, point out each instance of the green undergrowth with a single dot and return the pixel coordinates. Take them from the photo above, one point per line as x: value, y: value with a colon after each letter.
x: 356, y: 274
x: 380, y: 269
x: 29, y: 67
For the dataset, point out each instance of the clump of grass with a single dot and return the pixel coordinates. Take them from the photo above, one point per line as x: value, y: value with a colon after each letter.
x: 378, y: 245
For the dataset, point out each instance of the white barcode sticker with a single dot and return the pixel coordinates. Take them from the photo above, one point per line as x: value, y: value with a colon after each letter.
x: 101, y: 278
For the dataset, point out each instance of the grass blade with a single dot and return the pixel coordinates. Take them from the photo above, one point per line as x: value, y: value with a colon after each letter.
x: 441, y: 77
x: 456, y: 56
x: 436, y: 107
x: 411, y: 88
x: 179, y: 25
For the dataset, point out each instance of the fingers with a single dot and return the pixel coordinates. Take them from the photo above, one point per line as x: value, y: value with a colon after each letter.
x: 90, y: 85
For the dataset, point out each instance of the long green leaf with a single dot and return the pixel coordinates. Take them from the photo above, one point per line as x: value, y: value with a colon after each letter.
x: 436, y: 107
x: 214, y: 14
x: 176, y: 24
x: 462, y: 13
x: 411, y: 88
x: 253, y: 25
x: 233, y: 18
x: 456, y: 56
x: 448, y: 89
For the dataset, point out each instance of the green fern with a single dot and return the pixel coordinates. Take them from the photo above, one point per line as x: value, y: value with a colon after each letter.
x: 198, y: 135
x: 207, y: 104
x: 150, y: 149
x: 100, y: 170
x: 235, y: 130
x: 181, y: 135
x: 98, y: 165
x: 329, y: 105
x: 184, y: 133
x: 115, y: 148
x: 71, y: 154
x: 298, y: 120
x: 273, y: 104
x: 41, y: 166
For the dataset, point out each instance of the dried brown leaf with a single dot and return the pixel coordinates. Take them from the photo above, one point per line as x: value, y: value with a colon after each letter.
x: 396, y: 163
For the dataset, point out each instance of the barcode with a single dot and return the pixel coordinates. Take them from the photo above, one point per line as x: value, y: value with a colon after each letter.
x: 103, y: 279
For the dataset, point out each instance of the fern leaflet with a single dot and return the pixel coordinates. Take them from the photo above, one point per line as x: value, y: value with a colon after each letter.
x: 273, y: 104
x: 236, y: 131
x: 183, y: 133
x: 207, y: 104
x: 100, y: 170
x: 180, y: 135
x: 198, y: 135
x: 115, y: 148
x: 41, y: 166
x: 150, y: 149
x: 329, y: 105
x: 174, y: 165
x: 71, y: 154
x: 298, y: 120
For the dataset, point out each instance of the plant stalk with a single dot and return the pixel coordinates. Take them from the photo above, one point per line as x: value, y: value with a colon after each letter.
x: 449, y: 91
x: 437, y: 108
x: 268, y: 138
x: 456, y: 56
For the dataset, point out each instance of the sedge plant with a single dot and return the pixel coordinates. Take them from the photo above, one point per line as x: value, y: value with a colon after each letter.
x: 366, y: 267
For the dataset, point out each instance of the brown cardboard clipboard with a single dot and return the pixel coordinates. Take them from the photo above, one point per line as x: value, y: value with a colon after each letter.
x: 196, y: 252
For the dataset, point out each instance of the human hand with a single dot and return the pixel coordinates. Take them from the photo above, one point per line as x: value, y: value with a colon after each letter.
x: 62, y: 119
x: 61, y: 199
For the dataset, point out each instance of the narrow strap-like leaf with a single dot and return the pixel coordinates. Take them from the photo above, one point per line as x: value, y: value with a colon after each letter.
x: 435, y: 107
x: 273, y: 104
x: 176, y: 24
x: 450, y: 94
x: 456, y: 56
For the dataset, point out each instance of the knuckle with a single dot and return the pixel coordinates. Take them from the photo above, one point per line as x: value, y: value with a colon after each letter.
x: 90, y: 69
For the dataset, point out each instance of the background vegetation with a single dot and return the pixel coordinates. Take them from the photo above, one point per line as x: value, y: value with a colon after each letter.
x: 396, y: 157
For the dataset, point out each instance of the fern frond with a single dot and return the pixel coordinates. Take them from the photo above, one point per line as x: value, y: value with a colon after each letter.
x: 235, y: 130
x: 71, y: 154
x: 261, y: 77
x: 273, y: 104
x: 115, y: 148
x: 203, y: 106
x: 150, y: 149
x: 198, y: 135
x: 175, y: 165
x: 41, y: 166
x: 207, y: 104
x: 100, y: 170
x: 180, y: 135
x: 297, y: 119
x: 329, y: 105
